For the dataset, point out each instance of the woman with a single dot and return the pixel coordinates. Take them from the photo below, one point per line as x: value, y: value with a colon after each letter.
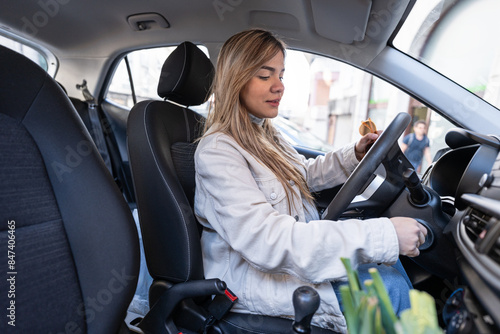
x: 262, y: 234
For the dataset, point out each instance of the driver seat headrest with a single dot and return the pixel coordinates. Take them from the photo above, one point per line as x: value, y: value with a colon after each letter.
x: 186, y: 76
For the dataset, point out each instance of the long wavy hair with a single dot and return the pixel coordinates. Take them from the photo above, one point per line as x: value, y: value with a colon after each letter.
x: 239, y: 60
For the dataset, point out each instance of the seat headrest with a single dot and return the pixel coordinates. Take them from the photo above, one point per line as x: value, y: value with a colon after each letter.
x: 186, y: 76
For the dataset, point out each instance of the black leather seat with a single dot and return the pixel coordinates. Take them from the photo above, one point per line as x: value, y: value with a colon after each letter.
x: 75, y: 249
x: 161, y: 152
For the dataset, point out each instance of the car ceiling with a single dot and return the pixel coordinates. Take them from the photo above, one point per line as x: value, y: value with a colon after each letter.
x: 93, y: 33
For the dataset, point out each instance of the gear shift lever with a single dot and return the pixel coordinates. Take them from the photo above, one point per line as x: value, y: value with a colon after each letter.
x: 418, y: 195
x: 305, y: 304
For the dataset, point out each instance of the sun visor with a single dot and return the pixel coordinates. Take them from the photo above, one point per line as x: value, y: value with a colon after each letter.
x: 344, y: 22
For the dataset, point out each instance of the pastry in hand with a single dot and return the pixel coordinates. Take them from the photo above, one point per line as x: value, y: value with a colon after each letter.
x: 367, y: 127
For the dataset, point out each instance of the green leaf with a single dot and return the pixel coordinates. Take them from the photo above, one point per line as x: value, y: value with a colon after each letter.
x: 352, y: 275
x: 421, y: 318
x: 353, y: 279
x: 389, y: 317
x: 370, y: 288
x: 367, y: 312
x: 370, y: 310
x: 350, y: 311
x: 379, y: 328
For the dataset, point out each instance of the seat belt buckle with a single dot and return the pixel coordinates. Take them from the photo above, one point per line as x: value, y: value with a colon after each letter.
x: 221, y: 304
x: 219, y: 307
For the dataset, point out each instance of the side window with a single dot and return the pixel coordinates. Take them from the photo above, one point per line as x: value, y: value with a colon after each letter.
x: 145, y: 66
x: 325, y: 101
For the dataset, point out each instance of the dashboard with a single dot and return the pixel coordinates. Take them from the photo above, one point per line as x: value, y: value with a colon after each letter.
x: 461, y: 212
x: 468, y: 175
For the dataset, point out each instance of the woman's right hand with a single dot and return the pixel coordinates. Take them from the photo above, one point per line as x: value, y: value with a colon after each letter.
x: 411, y: 234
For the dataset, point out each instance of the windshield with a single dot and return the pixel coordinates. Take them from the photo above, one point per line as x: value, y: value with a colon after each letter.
x: 459, y: 39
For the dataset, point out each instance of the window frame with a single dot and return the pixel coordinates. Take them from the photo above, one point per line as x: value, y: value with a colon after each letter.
x: 50, y: 58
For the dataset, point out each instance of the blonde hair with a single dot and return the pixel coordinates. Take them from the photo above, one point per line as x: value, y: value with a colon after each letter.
x: 240, y: 58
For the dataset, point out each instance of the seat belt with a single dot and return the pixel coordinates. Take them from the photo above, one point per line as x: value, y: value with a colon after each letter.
x: 97, y: 133
x: 219, y: 307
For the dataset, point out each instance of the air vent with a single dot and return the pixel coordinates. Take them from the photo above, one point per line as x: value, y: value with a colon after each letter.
x: 475, y: 223
x: 483, y: 230
x: 488, y: 241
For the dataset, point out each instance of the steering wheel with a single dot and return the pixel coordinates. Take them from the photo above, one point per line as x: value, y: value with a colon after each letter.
x: 372, y: 159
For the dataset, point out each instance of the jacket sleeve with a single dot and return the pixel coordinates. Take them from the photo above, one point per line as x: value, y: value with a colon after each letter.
x: 229, y: 201
x: 326, y: 171
x: 331, y: 169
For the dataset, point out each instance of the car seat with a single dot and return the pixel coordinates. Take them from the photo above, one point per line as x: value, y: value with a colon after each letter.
x: 72, y: 242
x: 161, y: 143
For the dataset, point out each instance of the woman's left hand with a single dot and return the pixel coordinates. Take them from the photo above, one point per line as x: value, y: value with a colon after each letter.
x: 364, y: 144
